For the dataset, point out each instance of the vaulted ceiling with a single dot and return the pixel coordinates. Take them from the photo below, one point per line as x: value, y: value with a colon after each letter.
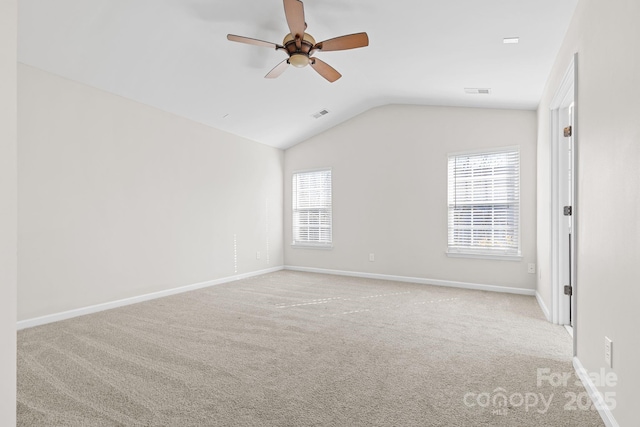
x: 174, y: 55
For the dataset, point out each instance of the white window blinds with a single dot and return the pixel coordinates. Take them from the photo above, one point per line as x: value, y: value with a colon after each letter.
x: 312, y: 208
x: 484, y: 202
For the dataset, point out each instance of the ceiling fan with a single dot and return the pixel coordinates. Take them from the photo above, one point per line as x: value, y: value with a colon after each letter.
x: 301, y: 46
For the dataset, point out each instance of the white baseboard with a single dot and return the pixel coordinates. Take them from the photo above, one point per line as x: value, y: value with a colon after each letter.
x: 543, y: 307
x: 50, y: 318
x: 37, y: 321
x: 569, y: 330
x: 420, y: 280
x: 595, y: 396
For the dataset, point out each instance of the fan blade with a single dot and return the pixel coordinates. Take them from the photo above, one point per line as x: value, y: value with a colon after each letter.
x: 256, y: 42
x: 277, y: 70
x: 351, y: 41
x: 294, y: 12
x: 325, y: 70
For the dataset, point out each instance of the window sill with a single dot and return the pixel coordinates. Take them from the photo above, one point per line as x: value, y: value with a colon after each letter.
x: 312, y: 246
x: 484, y: 256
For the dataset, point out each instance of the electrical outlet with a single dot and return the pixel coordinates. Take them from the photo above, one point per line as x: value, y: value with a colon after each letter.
x: 372, y: 257
x: 608, y: 348
x: 258, y: 255
x: 531, y: 268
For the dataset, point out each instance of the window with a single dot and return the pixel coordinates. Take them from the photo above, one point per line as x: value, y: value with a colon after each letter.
x: 312, y: 208
x: 484, y: 203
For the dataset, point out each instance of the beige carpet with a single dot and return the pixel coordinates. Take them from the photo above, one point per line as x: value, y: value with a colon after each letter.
x: 299, y: 349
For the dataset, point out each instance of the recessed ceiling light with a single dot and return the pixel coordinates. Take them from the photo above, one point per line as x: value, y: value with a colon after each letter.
x: 477, y: 90
x: 511, y: 40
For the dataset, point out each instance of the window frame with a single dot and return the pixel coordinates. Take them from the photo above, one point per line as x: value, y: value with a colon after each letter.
x: 478, y: 251
x: 309, y: 244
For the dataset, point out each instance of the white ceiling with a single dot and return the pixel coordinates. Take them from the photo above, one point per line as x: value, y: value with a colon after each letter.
x: 174, y: 55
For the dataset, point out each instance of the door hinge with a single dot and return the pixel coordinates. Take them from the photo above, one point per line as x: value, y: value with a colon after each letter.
x: 568, y: 290
x: 568, y: 131
x: 568, y: 211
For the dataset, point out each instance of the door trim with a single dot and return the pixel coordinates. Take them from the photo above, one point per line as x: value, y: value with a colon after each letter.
x: 567, y: 92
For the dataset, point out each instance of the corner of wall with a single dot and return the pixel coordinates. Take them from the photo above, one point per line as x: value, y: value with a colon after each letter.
x: 8, y: 210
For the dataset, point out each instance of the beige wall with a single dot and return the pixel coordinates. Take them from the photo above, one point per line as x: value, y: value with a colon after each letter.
x: 8, y: 210
x: 606, y: 36
x: 390, y: 191
x: 118, y: 199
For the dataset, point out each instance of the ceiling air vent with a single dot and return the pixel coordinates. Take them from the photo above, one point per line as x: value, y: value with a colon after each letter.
x: 477, y: 91
x: 320, y: 114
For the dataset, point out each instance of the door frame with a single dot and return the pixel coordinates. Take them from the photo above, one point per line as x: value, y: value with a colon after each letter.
x: 566, y: 94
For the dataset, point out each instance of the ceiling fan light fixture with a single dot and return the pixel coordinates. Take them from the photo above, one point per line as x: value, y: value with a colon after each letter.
x: 300, y: 46
x: 299, y: 60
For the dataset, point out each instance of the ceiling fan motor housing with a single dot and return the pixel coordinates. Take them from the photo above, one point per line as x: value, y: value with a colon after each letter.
x: 298, y: 57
